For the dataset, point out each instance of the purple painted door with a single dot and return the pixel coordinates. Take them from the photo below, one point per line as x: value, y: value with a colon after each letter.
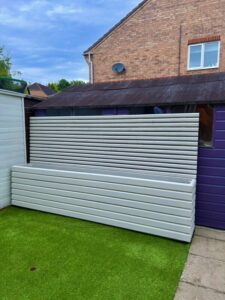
x: 210, y: 203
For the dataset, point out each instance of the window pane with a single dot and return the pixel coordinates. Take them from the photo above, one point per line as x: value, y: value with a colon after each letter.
x: 195, y: 56
x: 211, y: 54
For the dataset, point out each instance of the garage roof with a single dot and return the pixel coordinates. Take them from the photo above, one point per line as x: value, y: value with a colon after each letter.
x: 197, y: 89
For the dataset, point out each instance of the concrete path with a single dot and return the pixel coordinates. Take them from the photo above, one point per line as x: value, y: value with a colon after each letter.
x: 203, y: 277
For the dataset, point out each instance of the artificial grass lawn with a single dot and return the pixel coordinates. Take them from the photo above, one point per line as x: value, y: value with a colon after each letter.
x: 44, y: 257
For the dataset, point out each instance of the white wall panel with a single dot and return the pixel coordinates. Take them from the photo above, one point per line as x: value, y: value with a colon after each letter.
x: 12, y: 139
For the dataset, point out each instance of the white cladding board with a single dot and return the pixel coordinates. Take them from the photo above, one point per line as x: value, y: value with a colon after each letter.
x: 165, y: 144
x: 156, y: 205
x: 137, y: 172
x: 12, y: 140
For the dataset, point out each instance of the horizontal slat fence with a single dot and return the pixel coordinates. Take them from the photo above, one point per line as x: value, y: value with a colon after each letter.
x: 134, y: 172
x: 156, y: 143
x: 160, y: 207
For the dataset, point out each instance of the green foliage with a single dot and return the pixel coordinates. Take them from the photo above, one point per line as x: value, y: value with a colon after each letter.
x: 7, y: 82
x: 53, y: 86
x: 10, y: 84
x: 77, y: 82
x: 63, y: 84
x: 5, y: 63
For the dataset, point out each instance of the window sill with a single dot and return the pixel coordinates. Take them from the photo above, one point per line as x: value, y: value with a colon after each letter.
x: 206, y: 146
x: 202, y: 69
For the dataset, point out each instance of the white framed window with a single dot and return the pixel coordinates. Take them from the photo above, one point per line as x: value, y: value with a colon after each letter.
x: 204, y: 55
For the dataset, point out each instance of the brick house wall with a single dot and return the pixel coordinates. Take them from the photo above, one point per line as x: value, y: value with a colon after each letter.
x: 153, y: 42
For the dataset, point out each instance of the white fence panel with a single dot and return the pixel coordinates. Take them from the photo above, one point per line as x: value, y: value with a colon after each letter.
x: 161, y: 143
x: 162, y: 207
x: 135, y: 172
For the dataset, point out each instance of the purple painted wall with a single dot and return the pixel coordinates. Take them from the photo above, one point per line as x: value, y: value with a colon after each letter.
x: 115, y: 111
x: 210, y: 206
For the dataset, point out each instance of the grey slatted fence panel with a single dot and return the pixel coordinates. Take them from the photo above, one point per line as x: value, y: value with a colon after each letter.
x: 135, y: 172
x: 165, y: 144
x: 155, y: 205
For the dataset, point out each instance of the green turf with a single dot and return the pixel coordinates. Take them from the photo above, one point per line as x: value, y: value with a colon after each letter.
x: 44, y: 257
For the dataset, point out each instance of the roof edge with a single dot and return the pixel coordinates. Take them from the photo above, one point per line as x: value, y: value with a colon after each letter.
x: 12, y: 93
x: 30, y: 97
x: 101, y: 39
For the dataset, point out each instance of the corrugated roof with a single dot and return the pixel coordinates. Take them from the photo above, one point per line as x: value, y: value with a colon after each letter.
x: 209, y: 88
x: 115, y: 26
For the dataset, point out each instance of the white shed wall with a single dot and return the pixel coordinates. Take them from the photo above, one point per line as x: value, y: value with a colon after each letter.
x: 12, y: 140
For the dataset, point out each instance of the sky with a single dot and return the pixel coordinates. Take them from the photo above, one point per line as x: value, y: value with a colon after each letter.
x: 46, y: 38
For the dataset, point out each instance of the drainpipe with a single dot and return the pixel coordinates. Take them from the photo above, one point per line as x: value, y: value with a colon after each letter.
x: 90, y: 61
x: 180, y: 49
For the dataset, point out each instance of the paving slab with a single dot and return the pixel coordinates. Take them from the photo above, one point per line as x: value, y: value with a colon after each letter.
x: 203, y: 277
x: 210, y: 233
x: 209, y: 248
x: 187, y: 291
x: 205, y: 272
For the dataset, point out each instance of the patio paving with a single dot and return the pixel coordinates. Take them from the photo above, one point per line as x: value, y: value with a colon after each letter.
x: 203, y: 277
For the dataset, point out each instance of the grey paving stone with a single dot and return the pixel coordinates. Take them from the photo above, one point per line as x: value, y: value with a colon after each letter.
x: 210, y: 233
x: 205, y: 272
x: 189, y: 292
x: 208, y: 248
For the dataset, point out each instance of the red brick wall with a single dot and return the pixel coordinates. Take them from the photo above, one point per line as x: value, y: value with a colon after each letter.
x: 153, y: 42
